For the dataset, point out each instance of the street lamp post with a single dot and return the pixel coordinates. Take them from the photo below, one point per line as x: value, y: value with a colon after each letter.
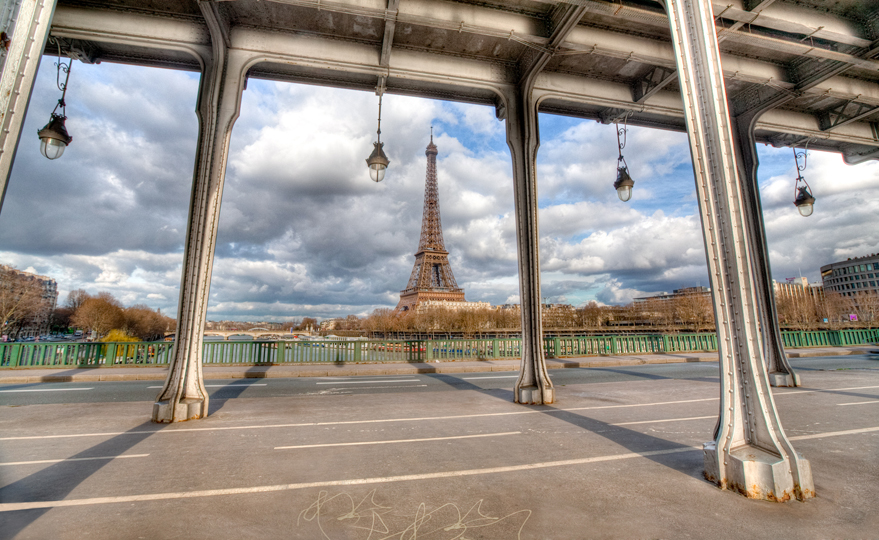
x: 54, y: 137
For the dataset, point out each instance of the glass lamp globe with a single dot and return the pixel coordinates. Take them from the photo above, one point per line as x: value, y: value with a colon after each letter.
x: 377, y: 162
x: 377, y: 172
x: 624, y: 184
x: 805, y: 202
x: 54, y: 138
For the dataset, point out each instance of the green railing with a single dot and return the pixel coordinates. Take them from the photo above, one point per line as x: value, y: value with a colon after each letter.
x: 830, y: 338
x: 22, y: 355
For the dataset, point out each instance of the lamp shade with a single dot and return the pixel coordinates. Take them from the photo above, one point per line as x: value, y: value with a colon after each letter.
x: 624, y: 184
x: 54, y: 138
x: 377, y: 162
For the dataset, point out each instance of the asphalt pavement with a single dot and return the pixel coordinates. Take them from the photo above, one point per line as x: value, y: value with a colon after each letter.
x: 429, y: 455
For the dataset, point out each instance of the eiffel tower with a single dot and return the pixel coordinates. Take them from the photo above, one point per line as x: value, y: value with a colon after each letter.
x: 432, y: 277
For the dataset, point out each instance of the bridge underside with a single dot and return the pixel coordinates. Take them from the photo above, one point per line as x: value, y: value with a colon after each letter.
x: 731, y: 73
x: 618, y: 59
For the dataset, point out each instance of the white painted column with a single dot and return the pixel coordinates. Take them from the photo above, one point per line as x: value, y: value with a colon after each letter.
x: 183, y: 397
x: 533, y: 385
x: 28, y: 39
x: 750, y: 452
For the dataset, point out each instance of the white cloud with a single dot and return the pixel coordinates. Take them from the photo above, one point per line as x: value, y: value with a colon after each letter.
x: 303, y: 231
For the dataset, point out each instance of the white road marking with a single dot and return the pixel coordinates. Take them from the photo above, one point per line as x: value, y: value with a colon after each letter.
x: 11, y: 507
x: 347, y: 422
x: 377, y: 387
x: 69, y: 459
x: 367, y: 376
x: 872, y: 402
x: 797, y: 392
x: 371, y: 382
x: 46, y: 390
x: 218, y: 385
x: 664, y: 420
x: 833, y: 434
x: 492, y: 377
x: 398, y: 441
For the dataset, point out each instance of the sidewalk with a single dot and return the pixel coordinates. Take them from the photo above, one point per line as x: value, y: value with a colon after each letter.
x: 243, y: 371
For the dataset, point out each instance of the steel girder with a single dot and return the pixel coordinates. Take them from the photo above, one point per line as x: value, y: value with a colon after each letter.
x: 28, y: 40
x: 750, y: 452
x: 183, y: 396
x: 464, y: 79
x: 533, y: 385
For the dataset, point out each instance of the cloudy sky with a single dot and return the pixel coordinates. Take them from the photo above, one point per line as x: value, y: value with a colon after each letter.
x: 304, y: 232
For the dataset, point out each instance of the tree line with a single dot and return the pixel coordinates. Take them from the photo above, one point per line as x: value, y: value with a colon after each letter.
x: 681, y: 313
x: 110, y: 320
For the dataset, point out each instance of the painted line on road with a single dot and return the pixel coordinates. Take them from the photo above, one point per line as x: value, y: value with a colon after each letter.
x: 833, y: 434
x: 379, y: 387
x: 46, y: 390
x: 348, y: 422
x: 871, y: 402
x: 11, y: 507
x: 398, y: 441
x: 367, y: 376
x: 797, y: 392
x: 663, y: 420
x: 492, y: 377
x: 219, y: 385
x: 371, y: 382
x: 8, y: 464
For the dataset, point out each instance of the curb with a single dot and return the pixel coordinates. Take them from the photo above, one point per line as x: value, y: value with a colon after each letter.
x: 268, y: 373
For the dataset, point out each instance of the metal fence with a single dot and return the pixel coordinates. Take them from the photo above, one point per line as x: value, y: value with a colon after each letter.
x: 54, y: 354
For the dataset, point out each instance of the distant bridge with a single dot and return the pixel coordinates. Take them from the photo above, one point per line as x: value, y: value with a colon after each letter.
x: 254, y: 333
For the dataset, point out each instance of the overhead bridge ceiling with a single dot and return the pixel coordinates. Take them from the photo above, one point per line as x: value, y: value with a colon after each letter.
x: 816, y: 61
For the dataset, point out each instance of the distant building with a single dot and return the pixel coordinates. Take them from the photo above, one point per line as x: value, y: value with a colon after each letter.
x: 852, y: 277
x: 702, y: 291
x: 797, y: 289
x: 450, y: 305
x: 553, y: 315
x: 38, y: 324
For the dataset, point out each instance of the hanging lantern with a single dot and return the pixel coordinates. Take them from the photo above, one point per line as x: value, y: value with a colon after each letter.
x: 624, y: 182
x: 803, y: 200
x: 377, y: 160
x: 54, y: 137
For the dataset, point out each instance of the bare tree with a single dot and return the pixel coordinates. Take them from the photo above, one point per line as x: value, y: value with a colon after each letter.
x: 142, y: 322
x: 868, y: 307
x: 76, y: 298
x: 694, y: 310
x: 100, y: 313
x: 797, y: 312
x: 836, y: 308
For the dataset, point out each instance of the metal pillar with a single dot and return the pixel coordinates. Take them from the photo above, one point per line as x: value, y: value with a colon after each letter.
x: 533, y: 385
x: 183, y: 397
x: 523, y: 137
x: 778, y: 367
x: 750, y: 452
x: 28, y: 39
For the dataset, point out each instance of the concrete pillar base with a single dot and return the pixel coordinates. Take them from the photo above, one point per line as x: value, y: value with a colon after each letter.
x: 758, y: 474
x: 531, y: 395
x: 165, y: 412
x: 783, y: 380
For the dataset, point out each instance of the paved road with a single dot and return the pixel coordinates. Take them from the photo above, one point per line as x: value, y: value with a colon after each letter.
x: 225, y: 389
x: 619, y: 456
